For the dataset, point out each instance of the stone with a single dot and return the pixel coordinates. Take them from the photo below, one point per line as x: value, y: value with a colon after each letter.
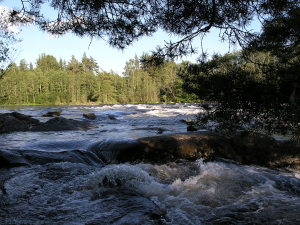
x: 53, y: 113
x: 191, y: 128
x: 112, y: 117
x: 25, y: 118
x: 15, y: 122
x: 62, y: 124
x: 91, y: 116
x: 261, y: 151
x: 9, y: 159
x: 167, y: 148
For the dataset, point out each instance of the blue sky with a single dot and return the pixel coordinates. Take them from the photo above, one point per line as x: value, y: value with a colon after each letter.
x: 36, y: 42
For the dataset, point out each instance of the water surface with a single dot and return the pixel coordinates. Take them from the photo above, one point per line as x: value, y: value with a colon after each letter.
x: 181, y: 192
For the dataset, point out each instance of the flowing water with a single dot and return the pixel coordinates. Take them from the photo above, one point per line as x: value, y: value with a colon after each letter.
x: 182, y: 192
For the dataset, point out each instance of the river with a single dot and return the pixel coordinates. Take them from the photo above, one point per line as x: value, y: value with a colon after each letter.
x: 181, y: 192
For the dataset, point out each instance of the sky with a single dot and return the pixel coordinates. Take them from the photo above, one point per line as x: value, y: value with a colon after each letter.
x: 36, y: 42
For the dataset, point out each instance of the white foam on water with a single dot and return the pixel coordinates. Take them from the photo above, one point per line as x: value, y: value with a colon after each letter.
x: 167, y: 112
x: 187, y: 192
x: 215, y: 187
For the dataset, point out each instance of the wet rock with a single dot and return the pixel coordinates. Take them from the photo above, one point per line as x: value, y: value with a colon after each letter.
x: 191, y: 128
x: 167, y: 148
x: 15, y: 158
x: 9, y: 159
x: 266, y: 151
x: 259, y: 150
x: 25, y: 118
x: 112, y: 117
x: 109, y: 151
x: 90, y: 116
x: 15, y: 122
x: 62, y: 124
x: 53, y: 113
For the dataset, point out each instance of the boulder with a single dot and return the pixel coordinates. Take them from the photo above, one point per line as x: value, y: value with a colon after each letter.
x: 260, y: 150
x: 62, y: 124
x: 167, y: 148
x: 14, y: 122
x: 164, y: 148
x: 191, y: 128
x: 25, y: 118
x: 90, y: 116
x: 53, y: 113
x: 112, y: 117
x: 266, y: 151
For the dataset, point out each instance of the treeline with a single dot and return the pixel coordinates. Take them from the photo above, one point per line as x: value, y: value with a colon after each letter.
x: 83, y: 82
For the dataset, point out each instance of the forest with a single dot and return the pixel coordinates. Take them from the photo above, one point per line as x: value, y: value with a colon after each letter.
x: 55, y: 82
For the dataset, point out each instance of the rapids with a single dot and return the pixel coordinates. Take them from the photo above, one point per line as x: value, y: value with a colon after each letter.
x: 181, y: 192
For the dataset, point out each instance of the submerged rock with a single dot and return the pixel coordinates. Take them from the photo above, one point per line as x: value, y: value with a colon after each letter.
x: 260, y: 150
x: 61, y: 124
x: 15, y: 158
x: 158, y: 129
x: 15, y: 122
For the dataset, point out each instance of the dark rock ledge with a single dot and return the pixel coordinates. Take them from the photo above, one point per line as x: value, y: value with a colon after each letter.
x: 61, y: 124
x: 16, y: 122
x: 12, y: 122
x: 245, y: 149
x: 15, y: 158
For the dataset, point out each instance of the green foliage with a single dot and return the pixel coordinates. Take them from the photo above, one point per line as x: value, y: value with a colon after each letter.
x: 250, y: 92
x: 255, y: 90
x: 80, y: 82
x: 47, y: 62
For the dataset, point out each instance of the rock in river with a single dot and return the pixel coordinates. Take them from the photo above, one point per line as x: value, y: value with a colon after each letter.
x: 260, y: 150
x: 14, y: 122
x: 61, y: 124
x: 90, y: 116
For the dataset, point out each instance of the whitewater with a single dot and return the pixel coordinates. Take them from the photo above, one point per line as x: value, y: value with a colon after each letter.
x: 180, y: 192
